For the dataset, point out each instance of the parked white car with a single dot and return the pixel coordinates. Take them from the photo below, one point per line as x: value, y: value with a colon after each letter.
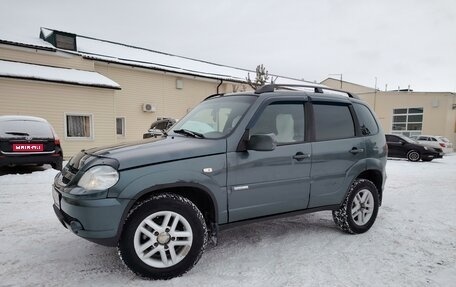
x: 436, y: 142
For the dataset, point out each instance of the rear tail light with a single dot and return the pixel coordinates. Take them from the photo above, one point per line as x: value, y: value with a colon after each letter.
x: 56, y: 137
x: 442, y: 144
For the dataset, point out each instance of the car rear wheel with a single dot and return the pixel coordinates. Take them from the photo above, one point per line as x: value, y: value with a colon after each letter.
x: 413, y: 155
x: 164, y: 237
x: 359, y: 210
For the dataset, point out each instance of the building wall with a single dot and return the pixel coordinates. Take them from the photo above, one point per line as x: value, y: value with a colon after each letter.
x: 138, y: 86
x: 41, y: 57
x: 52, y: 101
x: 435, y: 116
x: 141, y: 86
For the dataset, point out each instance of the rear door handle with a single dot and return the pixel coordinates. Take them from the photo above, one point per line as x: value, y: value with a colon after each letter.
x: 299, y: 156
x: 356, y: 150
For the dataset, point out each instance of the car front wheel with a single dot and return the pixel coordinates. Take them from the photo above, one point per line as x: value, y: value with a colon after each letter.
x: 164, y: 237
x: 413, y: 155
x: 359, y: 210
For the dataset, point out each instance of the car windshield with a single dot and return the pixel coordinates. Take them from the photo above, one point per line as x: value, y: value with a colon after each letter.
x: 214, y: 118
x: 25, y: 128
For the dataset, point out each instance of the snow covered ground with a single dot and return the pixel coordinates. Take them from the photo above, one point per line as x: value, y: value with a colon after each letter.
x: 412, y: 243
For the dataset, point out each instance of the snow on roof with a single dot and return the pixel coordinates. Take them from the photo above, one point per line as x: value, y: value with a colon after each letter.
x: 60, y: 75
x: 130, y: 55
x: 21, y: 118
x: 103, y: 50
x: 109, y: 51
x: 33, y: 42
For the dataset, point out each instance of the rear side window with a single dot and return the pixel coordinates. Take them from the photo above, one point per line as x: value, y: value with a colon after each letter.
x: 367, y: 122
x: 392, y: 139
x: 333, y: 122
x: 21, y: 128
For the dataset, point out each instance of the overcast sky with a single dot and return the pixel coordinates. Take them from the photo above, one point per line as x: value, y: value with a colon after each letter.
x: 398, y: 42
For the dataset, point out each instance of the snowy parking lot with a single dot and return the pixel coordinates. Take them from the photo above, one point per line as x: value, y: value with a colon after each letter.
x: 412, y: 243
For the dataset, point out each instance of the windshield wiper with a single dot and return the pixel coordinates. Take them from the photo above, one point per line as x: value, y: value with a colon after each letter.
x: 189, y: 133
x: 17, y: 133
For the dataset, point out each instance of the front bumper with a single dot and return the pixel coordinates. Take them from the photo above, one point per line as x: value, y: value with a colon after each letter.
x: 97, y: 220
x: 432, y: 155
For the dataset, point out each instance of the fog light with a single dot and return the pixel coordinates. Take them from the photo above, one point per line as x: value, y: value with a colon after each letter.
x: 75, y: 226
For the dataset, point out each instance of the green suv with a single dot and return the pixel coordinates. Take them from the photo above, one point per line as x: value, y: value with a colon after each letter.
x: 234, y: 159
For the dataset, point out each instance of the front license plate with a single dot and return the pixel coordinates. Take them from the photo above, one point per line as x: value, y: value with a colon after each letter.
x: 56, y: 197
x: 28, y: 147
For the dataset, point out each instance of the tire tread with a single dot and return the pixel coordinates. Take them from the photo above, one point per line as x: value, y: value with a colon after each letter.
x: 341, y: 216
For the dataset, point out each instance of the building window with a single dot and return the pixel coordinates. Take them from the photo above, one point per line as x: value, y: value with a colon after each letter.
x: 79, y: 126
x: 407, y: 121
x: 120, y: 126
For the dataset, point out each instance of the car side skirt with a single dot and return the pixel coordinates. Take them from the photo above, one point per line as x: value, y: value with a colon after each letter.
x: 277, y: 216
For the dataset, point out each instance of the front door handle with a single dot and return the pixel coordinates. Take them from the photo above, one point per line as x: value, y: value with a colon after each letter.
x: 299, y: 156
x: 356, y: 150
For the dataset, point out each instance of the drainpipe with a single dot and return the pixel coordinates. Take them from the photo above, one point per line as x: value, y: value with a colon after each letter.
x: 221, y: 82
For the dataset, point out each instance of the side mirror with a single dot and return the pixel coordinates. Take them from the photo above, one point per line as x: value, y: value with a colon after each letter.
x: 266, y: 142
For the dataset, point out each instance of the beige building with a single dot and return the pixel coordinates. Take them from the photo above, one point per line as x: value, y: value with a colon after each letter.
x: 97, y: 92
x: 408, y: 112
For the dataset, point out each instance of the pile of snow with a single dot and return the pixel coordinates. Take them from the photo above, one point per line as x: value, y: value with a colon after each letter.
x: 412, y: 243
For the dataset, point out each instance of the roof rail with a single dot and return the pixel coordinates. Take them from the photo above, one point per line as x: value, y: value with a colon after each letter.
x: 317, y: 89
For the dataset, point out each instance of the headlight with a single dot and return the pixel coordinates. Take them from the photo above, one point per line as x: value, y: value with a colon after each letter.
x: 425, y: 148
x: 99, y: 177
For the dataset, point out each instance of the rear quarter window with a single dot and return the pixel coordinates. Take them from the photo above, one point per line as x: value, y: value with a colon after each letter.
x: 333, y: 122
x: 366, y: 119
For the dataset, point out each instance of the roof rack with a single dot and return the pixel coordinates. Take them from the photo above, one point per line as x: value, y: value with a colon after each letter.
x: 317, y: 89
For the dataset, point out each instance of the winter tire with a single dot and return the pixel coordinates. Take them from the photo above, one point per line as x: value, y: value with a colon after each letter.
x: 163, y: 237
x: 359, y: 210
x: 413, y: 155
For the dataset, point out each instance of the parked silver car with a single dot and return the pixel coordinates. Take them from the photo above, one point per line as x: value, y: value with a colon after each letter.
x: 438, y: 142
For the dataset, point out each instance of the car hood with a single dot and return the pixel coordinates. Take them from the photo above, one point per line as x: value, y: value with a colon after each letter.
x: 153, y: 151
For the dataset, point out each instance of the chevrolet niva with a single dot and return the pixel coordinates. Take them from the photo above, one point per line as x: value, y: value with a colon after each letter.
x: 235, y: 158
